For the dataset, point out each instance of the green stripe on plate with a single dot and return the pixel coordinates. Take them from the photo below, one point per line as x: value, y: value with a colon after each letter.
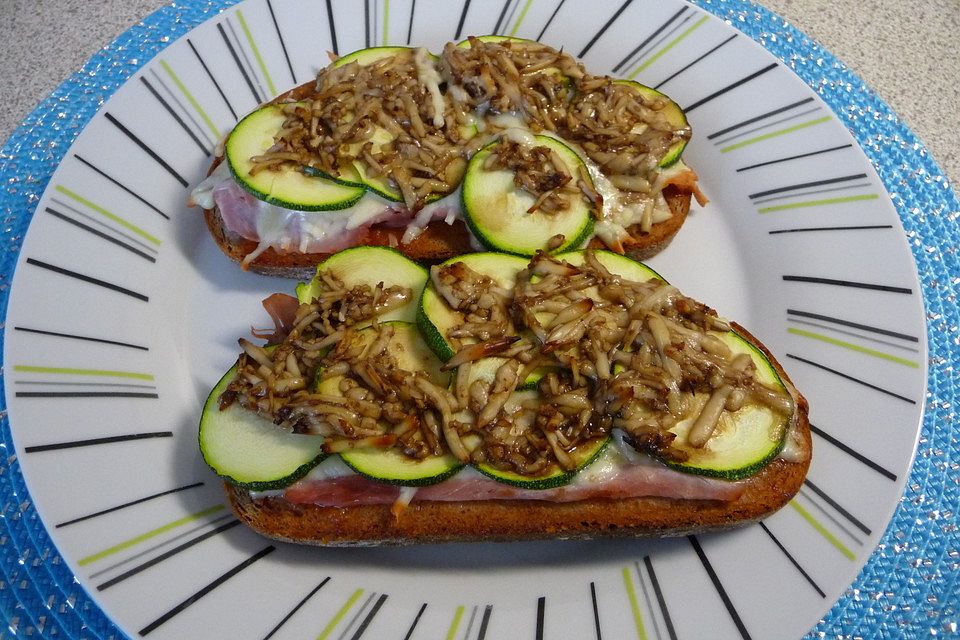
x: 126, y: 544
x: 189, y: 96
x: 822, y: 530
x: 818, y: 203
x: 670, y: 45
x: 128, y: 225
x: 455, y: 623
x: 854, y: 347
x: 338, y: 616
x: 386, y: 22
x: 634, y: 604
x: 69, y: 371
x: 774, y: 134
x: 523, y: 14
x: 256, y: 52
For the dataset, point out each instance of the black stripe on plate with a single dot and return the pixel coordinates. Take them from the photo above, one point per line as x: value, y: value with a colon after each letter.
x: 153, y: 626
x: 650, y: 37
x: 85, y: 394
x: 366, y: 621
x: 366, y: 23
x: 854, y: 325
x: 661, y: 602
x: 804, y: 185
x: 759, y: 118
x: 140, y: 143
x: 596, y: 610
x: 122, y: 186
x: 853, y: 453
x: 416, y: 619
x: 715, y: 579
x: 792, y: 560
x: 463, y: 17
x: 836, y: 506
x: 484, y: 621
x: 550, y: 19
x: 604, y: 28
x: 296, y: 608
x: 100, y: 234
x: 86, y: 278
x: 731, y: 87
x: 513, y: 12
x: 413, y: 10
x: 175, y: 115
x: 93, y: 442
x: 541, y: 607
x: 212, y: 79
x: 812, y: 192
x: 72, y: 336
x: 852, y: 379
x: 104, y: 512
x: 796, y: 157
x: 853, y: 227
x: 168, y: 554
x: 283, y: 45
x: 236, y: 59
x: 333, y: 28
x: 848, y: 283
x: 503, y: 12
x: 690, y: 64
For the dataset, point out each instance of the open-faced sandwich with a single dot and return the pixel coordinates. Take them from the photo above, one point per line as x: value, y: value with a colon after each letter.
x: 496, y: 144
x: 495, y: 398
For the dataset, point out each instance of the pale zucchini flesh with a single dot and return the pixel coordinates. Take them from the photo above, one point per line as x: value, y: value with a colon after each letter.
x: 372, y: 265
x: 387, y: 465
x: 248, y: 450
x: 287, y: 187
x: 496, y: 210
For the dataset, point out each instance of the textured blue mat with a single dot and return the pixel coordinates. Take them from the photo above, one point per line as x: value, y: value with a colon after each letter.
x: 910, y: 588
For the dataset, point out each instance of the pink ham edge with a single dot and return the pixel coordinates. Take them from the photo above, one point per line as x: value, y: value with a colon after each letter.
x: 636, y: 481
x: 239, y: 210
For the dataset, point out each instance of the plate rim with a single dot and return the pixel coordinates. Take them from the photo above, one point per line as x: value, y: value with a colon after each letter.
x: 721, y: 9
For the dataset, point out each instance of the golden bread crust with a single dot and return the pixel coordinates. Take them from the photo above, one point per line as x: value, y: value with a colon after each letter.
x: 439, y: 241
x: 501, y: 520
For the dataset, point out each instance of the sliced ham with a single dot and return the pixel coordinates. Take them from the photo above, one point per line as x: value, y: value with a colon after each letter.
x: 631, y: 481
x: 289, y: 230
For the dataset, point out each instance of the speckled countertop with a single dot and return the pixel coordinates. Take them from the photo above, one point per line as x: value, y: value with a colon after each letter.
x: 906, y: 51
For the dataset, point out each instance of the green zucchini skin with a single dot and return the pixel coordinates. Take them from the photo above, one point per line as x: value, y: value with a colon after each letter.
x: 435, y: 318
x: 495, y: 211
x: 287, y: 187
x: 390, y: 466
x: 372, y: 265
x: 249, y: 451
x: 673, y: 114
x: 555, y: 476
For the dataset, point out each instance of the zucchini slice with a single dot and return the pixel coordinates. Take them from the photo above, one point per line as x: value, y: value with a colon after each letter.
x: 496, y: 211
x: 745, y: 440
x: 387, y: 465
x: 370, y: 55
x: 248, y: 450
x: 554, y: 475
x: 287, y: 187
x: 372, y: 265
x: 435, y: 317
x: 670, y: 111
x: 615, y: 263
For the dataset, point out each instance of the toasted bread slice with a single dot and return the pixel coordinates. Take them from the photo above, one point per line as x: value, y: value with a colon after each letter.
x: 505, y: 520
x: 438, y: 242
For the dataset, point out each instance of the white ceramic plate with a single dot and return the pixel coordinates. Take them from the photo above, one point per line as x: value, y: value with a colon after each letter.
x: 123, y: 314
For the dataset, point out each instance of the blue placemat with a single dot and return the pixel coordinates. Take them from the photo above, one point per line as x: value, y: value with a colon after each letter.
x: 910, y: 587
